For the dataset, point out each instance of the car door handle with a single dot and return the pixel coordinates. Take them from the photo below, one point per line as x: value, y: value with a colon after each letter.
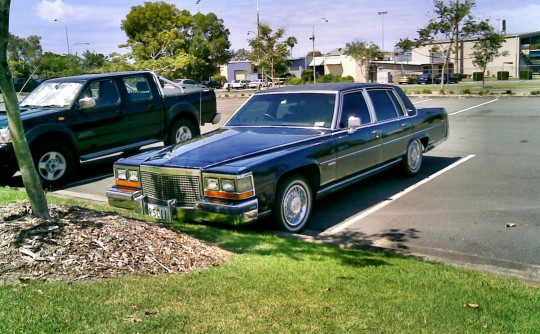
x: 404, y: 125
x: 377, y: 133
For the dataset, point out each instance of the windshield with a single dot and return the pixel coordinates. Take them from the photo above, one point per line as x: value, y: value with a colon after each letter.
x: 52, y: 94
x: 287, y: 109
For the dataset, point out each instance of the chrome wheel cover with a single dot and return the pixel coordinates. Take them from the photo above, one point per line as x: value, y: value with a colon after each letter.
x: 183, y: 134
x: 52, y: 166
x: 295, y: 205
x: 414, y: 155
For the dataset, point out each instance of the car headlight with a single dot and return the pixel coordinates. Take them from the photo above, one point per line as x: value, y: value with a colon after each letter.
x: 236, y: 187
x: 5, y: 136
x: 127, y: 176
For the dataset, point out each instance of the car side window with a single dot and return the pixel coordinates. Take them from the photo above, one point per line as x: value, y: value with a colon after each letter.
x: 138, y: 88
x: 355, y: 105
x: 103, y: 92
x: 383, y: 104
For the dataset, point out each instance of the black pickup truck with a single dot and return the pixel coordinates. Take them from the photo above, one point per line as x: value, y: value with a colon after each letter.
x: 73, y: 119
x: 280, y: 151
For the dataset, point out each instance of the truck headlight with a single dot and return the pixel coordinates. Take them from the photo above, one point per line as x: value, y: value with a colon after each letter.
x: 236, y: 187
x: 127, y: 176
x: 5, y: 136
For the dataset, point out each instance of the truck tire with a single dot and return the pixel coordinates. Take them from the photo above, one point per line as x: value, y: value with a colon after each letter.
x: 182, y: 130
x: 294, y: 201
x: 412, y: 160
x: 55, y: 164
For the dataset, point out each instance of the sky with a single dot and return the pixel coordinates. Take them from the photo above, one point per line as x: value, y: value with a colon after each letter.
x: 95, y: 24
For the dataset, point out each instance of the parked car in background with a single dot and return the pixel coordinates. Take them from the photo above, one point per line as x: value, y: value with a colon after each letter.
x: 425, y: 78
x: 448, y: 79
x: 25, y: 84
x: 212, y: 84
x: 242, y: 84
x: 280, y: 151
x: 188, y: 83
x: 407, y: 79
x: 258, y: 84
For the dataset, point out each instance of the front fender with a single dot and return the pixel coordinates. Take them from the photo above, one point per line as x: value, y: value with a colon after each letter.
x: 50, y: 129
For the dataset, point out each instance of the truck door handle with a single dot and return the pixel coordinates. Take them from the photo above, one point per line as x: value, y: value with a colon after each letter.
x: 404, y: 125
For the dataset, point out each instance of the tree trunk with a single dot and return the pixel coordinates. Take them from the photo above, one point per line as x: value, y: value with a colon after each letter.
x: 30, y: 177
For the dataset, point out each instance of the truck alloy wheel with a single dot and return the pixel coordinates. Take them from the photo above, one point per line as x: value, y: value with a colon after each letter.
x: 55, y: 164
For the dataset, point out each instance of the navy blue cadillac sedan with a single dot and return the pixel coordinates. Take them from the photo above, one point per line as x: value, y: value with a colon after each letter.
x: 278, y: 152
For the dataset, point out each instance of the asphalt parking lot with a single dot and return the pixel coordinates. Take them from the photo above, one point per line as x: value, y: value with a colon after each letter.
x: 476, y: 201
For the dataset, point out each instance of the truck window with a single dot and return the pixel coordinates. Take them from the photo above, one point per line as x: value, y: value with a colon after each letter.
x: 383, y: 104
x: 137, y: 88
x: 355, y: 105
x: 104, y: 92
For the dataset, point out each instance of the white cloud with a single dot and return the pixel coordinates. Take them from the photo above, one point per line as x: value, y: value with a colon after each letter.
x: 56, y: 9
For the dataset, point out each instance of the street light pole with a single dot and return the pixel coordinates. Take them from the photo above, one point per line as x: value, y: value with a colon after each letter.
x: 72, y: 45
x: 313, y: 52
x: 382, y: 20
x: 65, y: 26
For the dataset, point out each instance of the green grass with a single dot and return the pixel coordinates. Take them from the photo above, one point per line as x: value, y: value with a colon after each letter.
x: 277, y: 285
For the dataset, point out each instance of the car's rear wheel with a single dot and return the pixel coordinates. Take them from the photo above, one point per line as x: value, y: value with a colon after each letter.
x: 412, y: 160
x: 55, y: 164
x: 181, y: 131
x: 294, y: 201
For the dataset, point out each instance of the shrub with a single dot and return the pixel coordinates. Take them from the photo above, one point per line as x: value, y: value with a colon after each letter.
x: 442, y: 92
x: 466, y: 91
x: 503, y: 75
x: 296, y: 81
x: 326, y: 78
x: 526, y: 75
x: 460, y: 76
x: 426, y: 91
x: 348, y: 78
x: 535, y: 92
x: 307, y: 76
x: 478, y: 76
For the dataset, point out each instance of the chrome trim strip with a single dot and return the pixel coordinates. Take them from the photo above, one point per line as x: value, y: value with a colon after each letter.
x: 99, y: 154
x: 171, y: 171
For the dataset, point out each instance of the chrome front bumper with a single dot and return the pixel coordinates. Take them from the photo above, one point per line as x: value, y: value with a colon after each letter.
x: 229, y: 213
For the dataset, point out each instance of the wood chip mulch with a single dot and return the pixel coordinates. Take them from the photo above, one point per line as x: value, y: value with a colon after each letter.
x: 82, y: 244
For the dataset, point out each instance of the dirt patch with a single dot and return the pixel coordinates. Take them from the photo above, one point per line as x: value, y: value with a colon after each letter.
x: 81, y: 244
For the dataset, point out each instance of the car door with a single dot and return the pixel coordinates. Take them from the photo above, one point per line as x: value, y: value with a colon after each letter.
x: 102, y: 124
x: 395, y: 128
x: 361, y: 149
x: 144, y: 109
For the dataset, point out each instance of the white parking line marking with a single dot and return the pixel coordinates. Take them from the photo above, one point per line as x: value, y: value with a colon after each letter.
x: 421, y: 101
x: 481, y: 104
x: 356, y: 218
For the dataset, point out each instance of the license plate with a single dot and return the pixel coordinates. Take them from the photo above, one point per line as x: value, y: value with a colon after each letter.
x: 158, y: 211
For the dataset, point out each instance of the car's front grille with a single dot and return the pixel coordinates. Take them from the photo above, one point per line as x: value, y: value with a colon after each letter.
x: 165, y: 184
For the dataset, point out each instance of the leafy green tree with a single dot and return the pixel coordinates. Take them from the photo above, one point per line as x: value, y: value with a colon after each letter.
x: 364, y: 54
x: 240, y: 54
x: 269, y: 51
x: 453, y: 21
x: 169, y: 40
x: 486, y: 49
x: 30, y: 177
x: 55, y: 65
x: 92, y: 61
x: 291, y: 42
x: 24, y: 54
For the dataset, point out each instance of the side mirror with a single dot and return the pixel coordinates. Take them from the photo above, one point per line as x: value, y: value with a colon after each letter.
x: 353, y: 123
x: 216, y: 119
x: 86, y: 103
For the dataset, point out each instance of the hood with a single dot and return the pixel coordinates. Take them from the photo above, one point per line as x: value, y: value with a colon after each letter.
x: 227, y: 145
x: 28, y: 113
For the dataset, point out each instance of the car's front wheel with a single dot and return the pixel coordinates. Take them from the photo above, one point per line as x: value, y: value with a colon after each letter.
x: 412, y: 160
x: 294, y: 202
x: 55, y: 164
x: 181, y: 131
